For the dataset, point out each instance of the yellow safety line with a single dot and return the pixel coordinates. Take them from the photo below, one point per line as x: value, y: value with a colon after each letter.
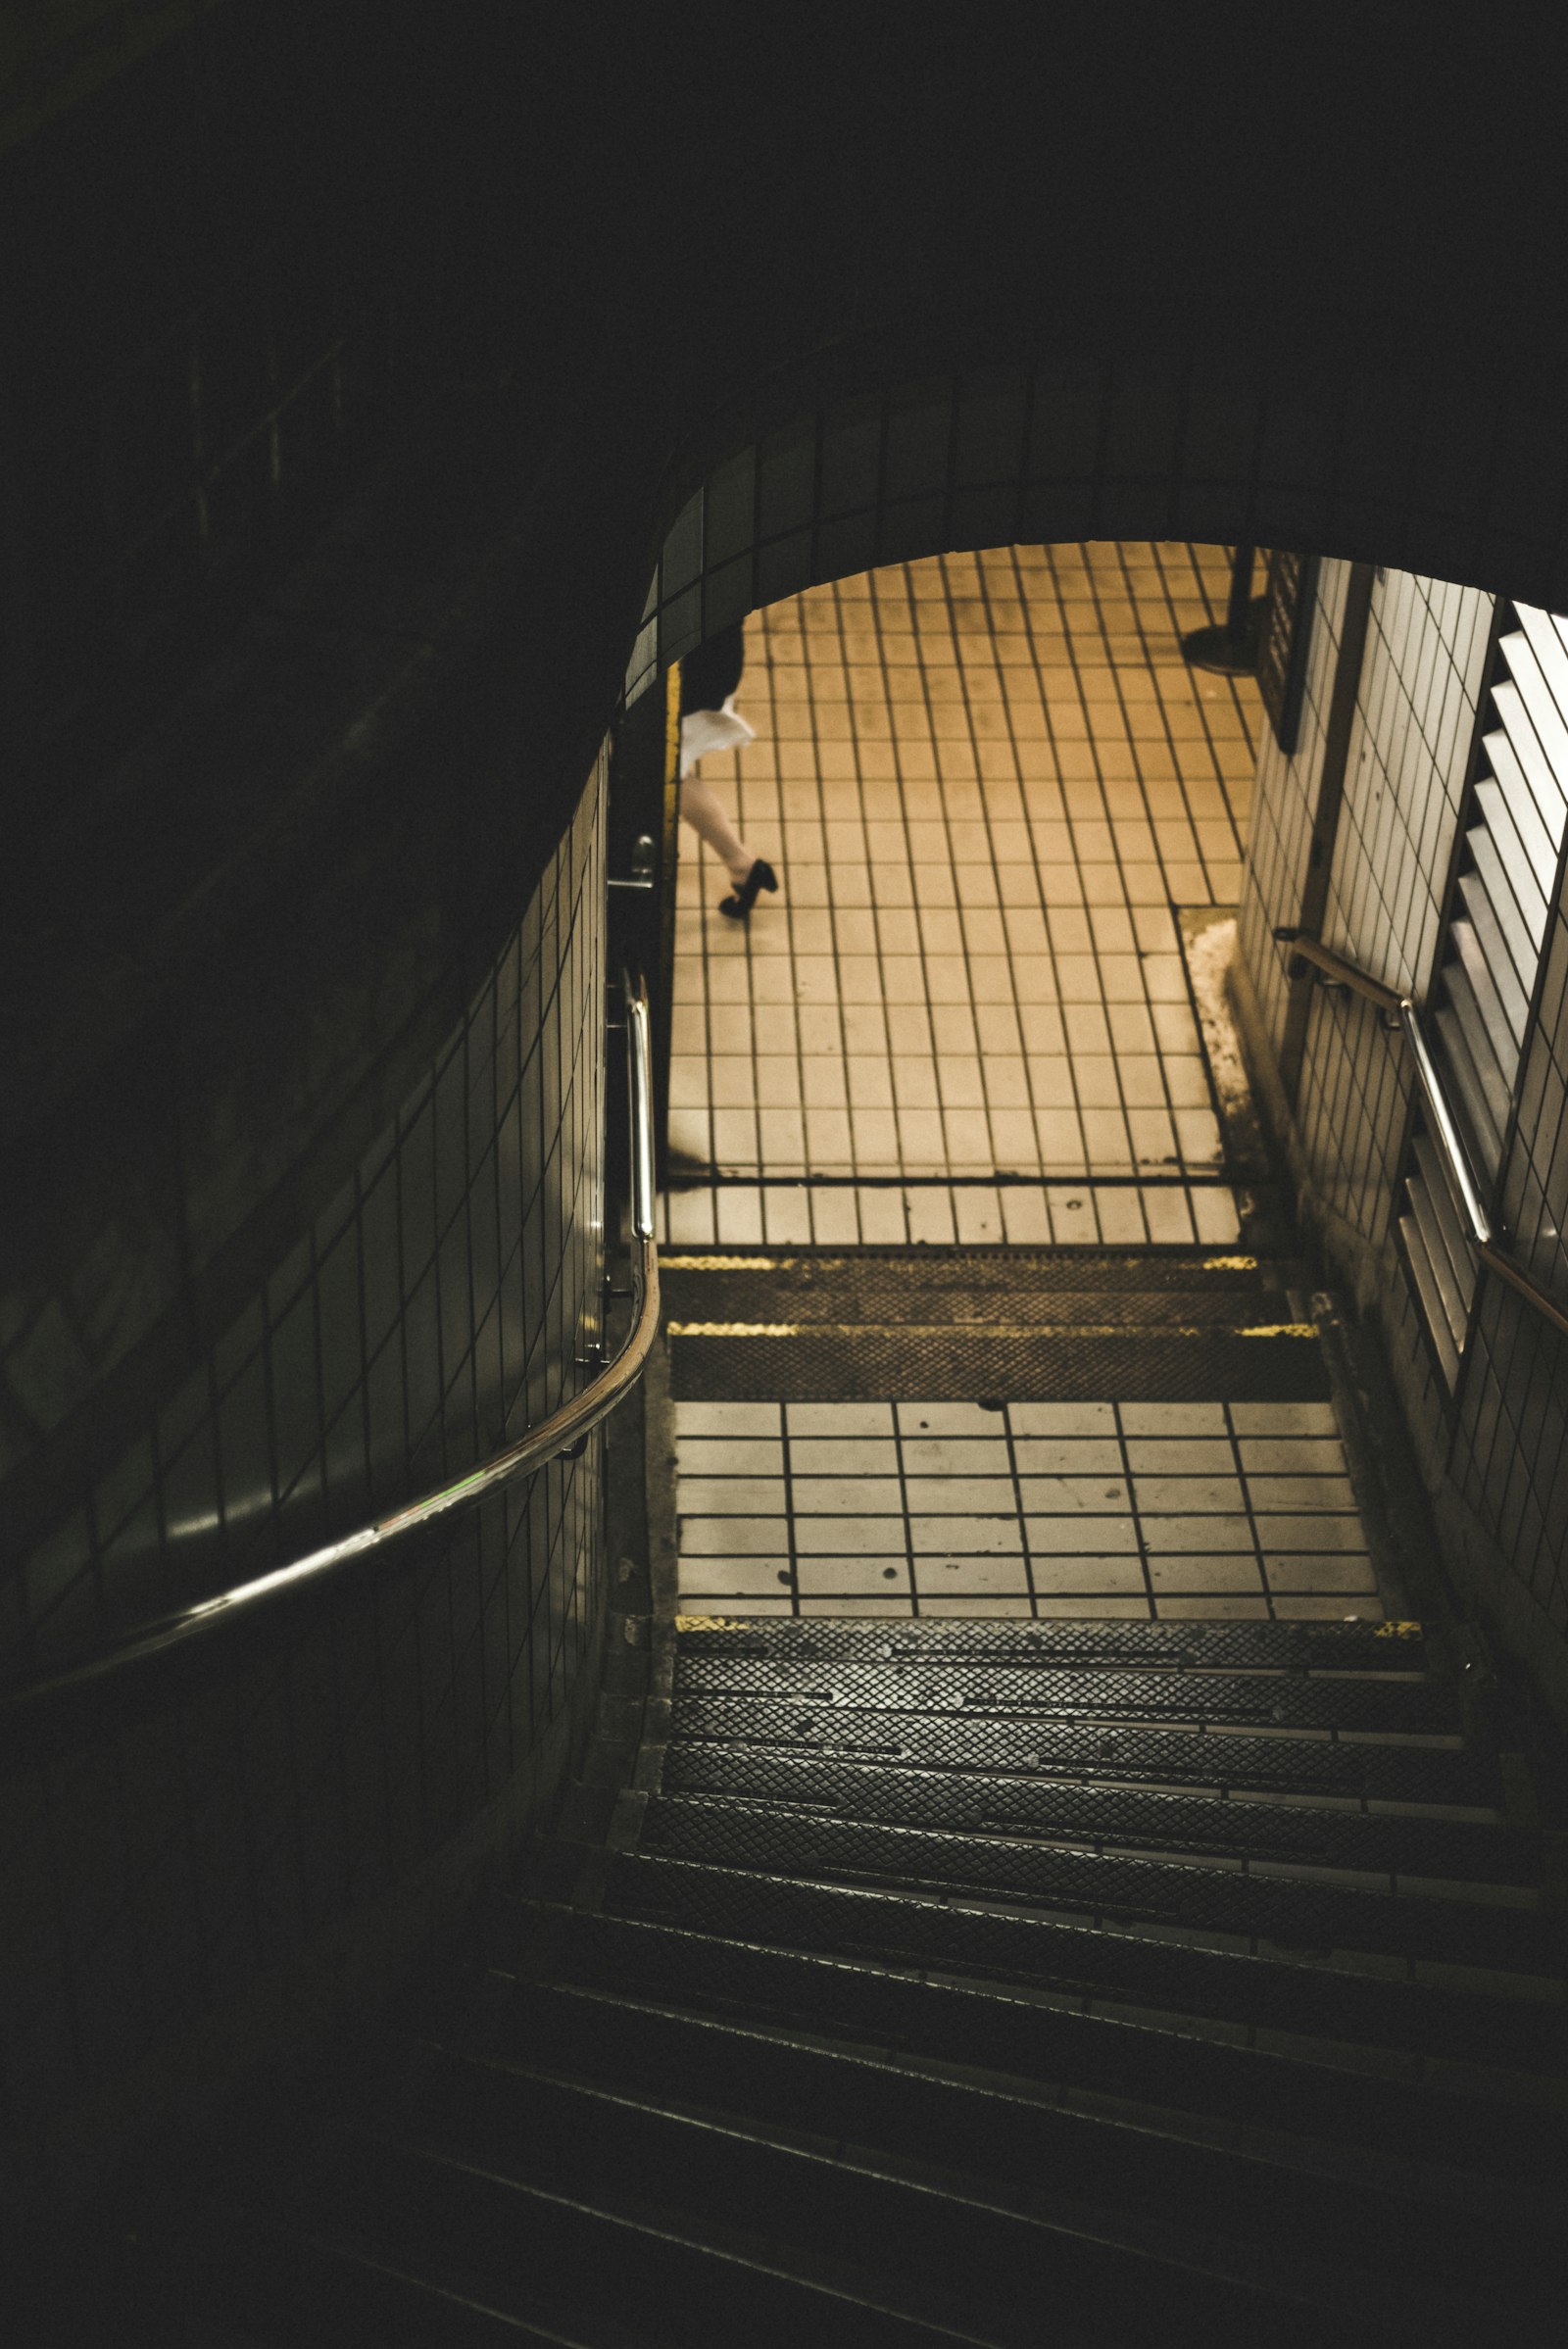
x: 667, y: 1263
x: 976, y: 1329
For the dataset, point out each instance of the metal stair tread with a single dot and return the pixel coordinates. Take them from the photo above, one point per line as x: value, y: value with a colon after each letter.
x: 968, y: 1938
x: 1404, y: 2101
x: 1398, y: 1706
x: 1029, y: 2221
x: 733, y: 2067
x: 755, y: 2259
x: 1318, y: 1835
x: 1444, y: 1774
x: 744, y: 1834
x: 369, y: 2185
x: 1379, y: 1648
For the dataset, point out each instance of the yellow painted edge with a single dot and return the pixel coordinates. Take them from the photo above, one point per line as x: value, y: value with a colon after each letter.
x: 970, y: 1329
x: 667, y: 1263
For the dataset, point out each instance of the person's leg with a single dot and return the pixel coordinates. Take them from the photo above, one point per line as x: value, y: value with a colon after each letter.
x: 700, y: 805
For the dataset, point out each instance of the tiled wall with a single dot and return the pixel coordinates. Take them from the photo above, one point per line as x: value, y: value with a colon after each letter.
x: 440, y: 1304
x: 1416, y: 716
x: 1497, y: 1463
x: 1284, y: 805
x: 1511, y: 1441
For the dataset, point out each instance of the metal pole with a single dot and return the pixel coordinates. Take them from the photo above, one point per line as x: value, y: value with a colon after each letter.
x: 1239, y: 609
x: 1231, y: 651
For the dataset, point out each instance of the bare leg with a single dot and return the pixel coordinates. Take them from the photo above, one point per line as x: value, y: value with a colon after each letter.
x: 700, y: 806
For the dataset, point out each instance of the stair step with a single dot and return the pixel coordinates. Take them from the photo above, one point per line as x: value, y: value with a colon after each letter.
x: 762, y: 1836
x: 335, y: 2293
x: 1172, y: 1975
x: 1395, y: 2109
x: 388, y: 2239
x: 477, y: 2207
x: 975, y: 1283
x: 1432, y: 1775
x: 723, y: 2068
x: 235, y: 2277
x: 923, y: 2237
x: 1394, y: 1707
x: 1452, y: 1850
x: 1378, y: 1647
x: 1150, y: 1360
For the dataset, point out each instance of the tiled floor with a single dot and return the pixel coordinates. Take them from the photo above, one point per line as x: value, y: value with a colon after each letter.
x: 945, y: 1214
x: 986, y: 781
x: 1240, y: 1509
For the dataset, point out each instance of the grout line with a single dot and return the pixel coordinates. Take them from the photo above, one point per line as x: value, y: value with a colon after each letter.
x: 1135, y: 1513
x: 1017, y: 1496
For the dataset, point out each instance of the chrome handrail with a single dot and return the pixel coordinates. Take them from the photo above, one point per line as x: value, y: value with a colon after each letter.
x: 1402, y: 1012
x: 564, y: 1431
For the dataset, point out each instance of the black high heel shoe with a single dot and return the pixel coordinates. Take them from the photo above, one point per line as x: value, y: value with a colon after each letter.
x: 761, y: 876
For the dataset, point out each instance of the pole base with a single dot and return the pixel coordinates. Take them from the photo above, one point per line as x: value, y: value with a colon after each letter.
x: 1223, y: 654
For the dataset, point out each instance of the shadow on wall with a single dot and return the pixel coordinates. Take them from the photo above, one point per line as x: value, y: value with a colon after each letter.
x: 273, y: 1829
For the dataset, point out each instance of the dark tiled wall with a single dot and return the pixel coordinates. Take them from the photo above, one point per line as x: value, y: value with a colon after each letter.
x: 1062, y: 447
x: 1511, y: 1441
x: 441, y: 1304
x: 1284, y: 804
x: 207, y: 326
x: 1415, y: 714
x: 1497, y: 1461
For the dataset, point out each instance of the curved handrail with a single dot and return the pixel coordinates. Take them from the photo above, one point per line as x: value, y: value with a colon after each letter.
x: 564, y: 1431
x: 1403, y: 1012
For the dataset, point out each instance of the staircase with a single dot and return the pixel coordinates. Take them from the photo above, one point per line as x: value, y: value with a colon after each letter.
x: 960, y: 1981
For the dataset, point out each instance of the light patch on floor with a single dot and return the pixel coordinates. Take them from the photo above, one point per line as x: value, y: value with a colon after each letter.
x: 1025, y: 1508
x: 937, y: 1214
x: 987, y: 781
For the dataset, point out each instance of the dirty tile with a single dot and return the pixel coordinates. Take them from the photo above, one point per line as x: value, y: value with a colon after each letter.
x: 838, y: 1495
x: 727, y: 1419
x: 837, y: 1420
x: 964, y: 1537
x: 955, y: 1455
x: 729, y: 1455
x: 840, y: 1456
x: 1155, y: 1494
x: 728, y: 1495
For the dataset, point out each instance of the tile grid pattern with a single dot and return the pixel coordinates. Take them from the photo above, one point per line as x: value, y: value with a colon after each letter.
x: 1511, y: 1445
x: 950, y: 1214
x: 440, y: 1302
x: 986, y: 780
x: 1404, y: 777
x: 433, y: 1311
x: 1031, y: 1508
x: 1285, y: 806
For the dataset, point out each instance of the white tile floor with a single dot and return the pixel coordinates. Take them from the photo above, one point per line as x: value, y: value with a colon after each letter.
x: 1045, y: 1508
x: 986, y: 781
x: 727, y: 1215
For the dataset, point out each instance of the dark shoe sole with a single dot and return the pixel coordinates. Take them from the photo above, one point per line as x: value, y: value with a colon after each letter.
x: 761, y: 876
